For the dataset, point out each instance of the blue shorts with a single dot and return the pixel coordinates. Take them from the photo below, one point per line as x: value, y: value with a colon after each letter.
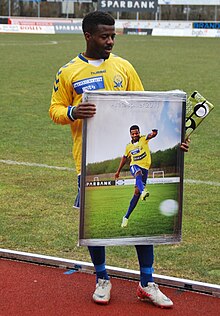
x: 135, y: 168
x: 77, y: 199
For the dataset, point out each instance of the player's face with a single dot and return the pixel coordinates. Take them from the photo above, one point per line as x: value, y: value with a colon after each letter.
x: 100, y: 43
x: 135, y: 135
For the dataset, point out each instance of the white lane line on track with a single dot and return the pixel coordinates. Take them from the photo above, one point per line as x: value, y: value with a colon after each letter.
x: 30, y: 164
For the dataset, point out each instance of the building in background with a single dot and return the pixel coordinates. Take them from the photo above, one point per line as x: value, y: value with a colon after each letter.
x: 181, y: 10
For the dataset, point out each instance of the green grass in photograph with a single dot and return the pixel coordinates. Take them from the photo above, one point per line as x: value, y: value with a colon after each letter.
x: 105, y: 207
x: 36, y: 213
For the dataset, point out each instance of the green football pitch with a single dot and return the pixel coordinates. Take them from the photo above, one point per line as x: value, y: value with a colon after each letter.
x: 36, y: 213
x: 105, y: 207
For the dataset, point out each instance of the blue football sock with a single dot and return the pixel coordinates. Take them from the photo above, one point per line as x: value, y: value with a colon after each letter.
x: 139, y: 183
x: 97, y: 254
x: 146, y: 258
x: 132, y: 205
x: 101, y: 272
x: 146, y: 275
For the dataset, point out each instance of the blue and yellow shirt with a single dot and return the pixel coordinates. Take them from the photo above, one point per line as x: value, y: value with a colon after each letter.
x: 113, y: 74
x: 139, y: 153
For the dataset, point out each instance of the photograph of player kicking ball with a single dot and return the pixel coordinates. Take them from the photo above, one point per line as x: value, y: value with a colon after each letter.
x: 138, y: 152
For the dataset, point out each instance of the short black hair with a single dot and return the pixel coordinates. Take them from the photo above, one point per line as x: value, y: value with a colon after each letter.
x: 95, y: 18
x: 134, y: 127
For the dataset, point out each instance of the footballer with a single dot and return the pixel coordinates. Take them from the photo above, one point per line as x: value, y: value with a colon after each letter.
x: 138, y: 152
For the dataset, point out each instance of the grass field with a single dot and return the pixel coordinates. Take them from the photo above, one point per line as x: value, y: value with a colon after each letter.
x: 36, y: 213
x: 145, y: 221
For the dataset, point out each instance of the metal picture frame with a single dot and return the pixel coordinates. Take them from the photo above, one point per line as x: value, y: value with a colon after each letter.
x: 104, y: 200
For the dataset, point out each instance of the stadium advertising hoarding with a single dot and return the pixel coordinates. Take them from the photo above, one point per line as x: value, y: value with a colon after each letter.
x: 137, y: 31
x: 104, y: 198
x: 128, y: 6
x: 33, y: 29
x: 189, y: 2
x: 68, y: 28
x: 206, y: 25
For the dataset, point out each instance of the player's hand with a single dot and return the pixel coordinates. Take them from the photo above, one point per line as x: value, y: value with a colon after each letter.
x: 152, y: 134
x: 185, y: 145
x: 84, y: 110
x: 117, y: 175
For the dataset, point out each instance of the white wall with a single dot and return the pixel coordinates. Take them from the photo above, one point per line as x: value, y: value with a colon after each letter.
x: 189, y: 2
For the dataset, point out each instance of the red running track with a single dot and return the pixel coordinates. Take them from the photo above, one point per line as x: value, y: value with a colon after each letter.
x: 30, y: 289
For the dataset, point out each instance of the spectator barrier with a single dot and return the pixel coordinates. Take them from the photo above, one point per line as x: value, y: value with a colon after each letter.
x: 138, y: 27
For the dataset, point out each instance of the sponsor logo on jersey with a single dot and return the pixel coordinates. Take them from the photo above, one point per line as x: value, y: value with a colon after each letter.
x: 136, y: 158
x: 98, y: 72
x: 94, y: 83
x: 135, y: 151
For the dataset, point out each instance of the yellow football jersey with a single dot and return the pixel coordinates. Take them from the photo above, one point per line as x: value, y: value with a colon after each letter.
x: 80, y: 74
x: 139, y: 153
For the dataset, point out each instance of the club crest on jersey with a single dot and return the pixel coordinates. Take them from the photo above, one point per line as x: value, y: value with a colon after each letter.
x: 94, y: 83
x: 118, y: 81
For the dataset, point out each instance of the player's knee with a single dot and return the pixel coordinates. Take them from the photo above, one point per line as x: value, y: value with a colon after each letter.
x: 137, y: 192
x: 138, y: 173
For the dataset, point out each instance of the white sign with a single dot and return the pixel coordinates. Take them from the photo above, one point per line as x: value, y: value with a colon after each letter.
x: 34, y: 29
x: 189, y: 2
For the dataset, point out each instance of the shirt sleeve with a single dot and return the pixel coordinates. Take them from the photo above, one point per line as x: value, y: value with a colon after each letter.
x: 126, y: 154
x: 134, y: 81
x: 62, y: 98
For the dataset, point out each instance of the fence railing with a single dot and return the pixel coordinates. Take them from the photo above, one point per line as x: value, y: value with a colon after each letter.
x: 209, y: 11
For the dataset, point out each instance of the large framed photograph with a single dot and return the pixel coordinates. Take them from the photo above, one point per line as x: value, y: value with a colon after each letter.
x: 132, y: 168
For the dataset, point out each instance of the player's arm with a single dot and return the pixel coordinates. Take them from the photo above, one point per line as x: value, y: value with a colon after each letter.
x: 62, y: 110
x: 134, y: 81
x: 62, y: 97
x: 152, y: 134
x: 121, y: 165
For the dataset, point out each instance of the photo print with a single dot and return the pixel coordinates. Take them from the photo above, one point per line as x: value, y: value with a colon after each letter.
x: 132, y: 168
